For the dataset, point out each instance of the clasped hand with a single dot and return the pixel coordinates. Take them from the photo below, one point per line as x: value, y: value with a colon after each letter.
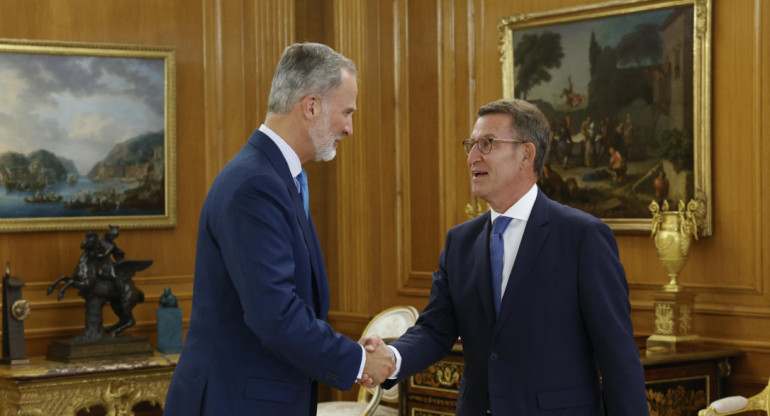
x: 379, y: 362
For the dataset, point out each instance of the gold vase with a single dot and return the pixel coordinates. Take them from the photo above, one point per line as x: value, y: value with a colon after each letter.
x: 671, y: 231
x: 674, y: 307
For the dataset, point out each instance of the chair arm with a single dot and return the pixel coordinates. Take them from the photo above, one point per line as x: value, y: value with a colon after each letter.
x: 726, y: 406
x: 371, y: 406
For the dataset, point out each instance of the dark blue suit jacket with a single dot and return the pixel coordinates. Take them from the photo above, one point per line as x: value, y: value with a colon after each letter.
x: 258, y: 337
x: 565, y: 316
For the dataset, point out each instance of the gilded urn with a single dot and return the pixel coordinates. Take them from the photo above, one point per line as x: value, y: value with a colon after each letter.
x: 672, y: 232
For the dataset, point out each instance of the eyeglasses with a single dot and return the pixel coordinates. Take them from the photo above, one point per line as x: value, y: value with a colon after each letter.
x: 485, y: 144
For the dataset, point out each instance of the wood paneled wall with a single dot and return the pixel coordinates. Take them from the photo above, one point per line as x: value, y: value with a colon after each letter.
x: 400, y: 182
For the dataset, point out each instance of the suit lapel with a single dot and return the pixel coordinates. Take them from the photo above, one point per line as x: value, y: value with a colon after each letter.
x: 481, y: 269
x: 535, y: 234
x: 276, y: 158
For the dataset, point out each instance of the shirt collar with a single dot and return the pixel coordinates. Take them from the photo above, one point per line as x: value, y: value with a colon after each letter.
x: 295, y: 166
x: 522, y: 208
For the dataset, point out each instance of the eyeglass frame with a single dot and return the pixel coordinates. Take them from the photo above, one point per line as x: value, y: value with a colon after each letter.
x: 491, y: 140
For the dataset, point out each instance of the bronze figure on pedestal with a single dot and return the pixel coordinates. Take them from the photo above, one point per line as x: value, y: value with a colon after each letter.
x: 102, y: 275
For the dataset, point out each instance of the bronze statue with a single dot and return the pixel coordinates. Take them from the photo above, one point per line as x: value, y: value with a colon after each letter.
x: 102, y: 275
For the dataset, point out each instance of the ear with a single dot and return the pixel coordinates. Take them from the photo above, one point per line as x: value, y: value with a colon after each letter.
x: 311, y: 106
x: 528, y: 152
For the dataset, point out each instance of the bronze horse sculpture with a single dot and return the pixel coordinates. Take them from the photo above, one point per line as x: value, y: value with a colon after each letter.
x: 102, y: 279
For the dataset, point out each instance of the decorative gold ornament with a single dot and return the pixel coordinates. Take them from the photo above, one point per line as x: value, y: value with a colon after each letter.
x: 674, y: 306
x: 473, y: 213
x: 664, y: 319
x: 671, y: 231
x: 447, y: 374
x: 441, y: 376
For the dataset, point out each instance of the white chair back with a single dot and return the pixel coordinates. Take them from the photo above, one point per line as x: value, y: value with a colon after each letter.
x: 390, y: 324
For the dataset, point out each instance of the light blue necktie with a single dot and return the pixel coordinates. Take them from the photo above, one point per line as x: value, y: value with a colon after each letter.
x: 304, y: 193
x: 496, y: 257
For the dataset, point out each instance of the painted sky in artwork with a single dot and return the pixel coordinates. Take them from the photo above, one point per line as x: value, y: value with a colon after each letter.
x: 575, y: 40
x: 77, y: 107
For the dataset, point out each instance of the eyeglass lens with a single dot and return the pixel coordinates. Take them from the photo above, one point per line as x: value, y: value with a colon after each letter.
x: 484, y: 144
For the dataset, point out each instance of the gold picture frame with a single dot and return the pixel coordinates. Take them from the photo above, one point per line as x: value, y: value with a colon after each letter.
x: 87, y: 136
x: 647, y: 60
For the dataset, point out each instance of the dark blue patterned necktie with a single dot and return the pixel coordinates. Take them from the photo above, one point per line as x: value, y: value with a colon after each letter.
x: 496, y: 258
x: 304, y: 193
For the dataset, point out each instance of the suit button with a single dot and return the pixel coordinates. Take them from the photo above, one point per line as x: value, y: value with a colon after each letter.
x: 493, y: 357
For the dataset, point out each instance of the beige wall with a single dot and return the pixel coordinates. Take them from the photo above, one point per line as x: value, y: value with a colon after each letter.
x: 383, y: 206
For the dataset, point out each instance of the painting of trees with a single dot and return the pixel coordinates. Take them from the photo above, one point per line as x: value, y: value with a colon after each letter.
x: 533, y: 58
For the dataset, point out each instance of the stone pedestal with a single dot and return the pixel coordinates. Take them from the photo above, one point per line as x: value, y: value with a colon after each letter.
x: 76, y: 349
x: 674, y: 322
x: 169, y: 330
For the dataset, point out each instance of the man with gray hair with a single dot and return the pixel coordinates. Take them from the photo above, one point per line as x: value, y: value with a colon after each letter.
x: 258, y: 340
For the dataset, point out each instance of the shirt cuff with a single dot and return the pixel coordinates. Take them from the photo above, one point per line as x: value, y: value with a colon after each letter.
x: 397, y: 359
x: 363, y: 363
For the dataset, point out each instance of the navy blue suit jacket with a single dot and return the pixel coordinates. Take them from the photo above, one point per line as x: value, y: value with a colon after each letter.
x: 258, y: 336
x: 564, y: 317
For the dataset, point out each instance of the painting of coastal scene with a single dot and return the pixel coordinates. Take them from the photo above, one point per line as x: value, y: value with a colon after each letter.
x: 618, y: 93
x: 82, y: 137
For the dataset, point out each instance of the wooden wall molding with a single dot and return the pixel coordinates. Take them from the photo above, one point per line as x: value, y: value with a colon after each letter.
x: 274, y: 30
x: 353, y: 172
x: 406, y: 285
x: 243, y: 41
x: 761, y: 36
x: 213, y: 88
x: 356, y: 317
x: 63, y: 332
x: 456, y: 88
x: 742, y: 344
x: 448, y: 15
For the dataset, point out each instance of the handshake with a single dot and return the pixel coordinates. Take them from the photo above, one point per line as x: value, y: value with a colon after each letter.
x: 380, y: 363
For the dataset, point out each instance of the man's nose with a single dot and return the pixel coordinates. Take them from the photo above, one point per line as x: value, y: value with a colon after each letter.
x: 474, y: 155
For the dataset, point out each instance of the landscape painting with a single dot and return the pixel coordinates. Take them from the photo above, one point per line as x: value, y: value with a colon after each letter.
x: 619, y: 89
x: 87, y: 136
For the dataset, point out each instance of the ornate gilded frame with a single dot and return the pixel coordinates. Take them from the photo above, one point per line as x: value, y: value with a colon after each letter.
x: 127, y: 86
x: 701, y: 77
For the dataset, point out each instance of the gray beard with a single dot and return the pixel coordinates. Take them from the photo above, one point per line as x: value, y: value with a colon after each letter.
x: 318, y: 133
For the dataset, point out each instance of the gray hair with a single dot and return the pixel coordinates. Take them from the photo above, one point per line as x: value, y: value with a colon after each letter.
x: 526, y: 120
x: 306, y: 68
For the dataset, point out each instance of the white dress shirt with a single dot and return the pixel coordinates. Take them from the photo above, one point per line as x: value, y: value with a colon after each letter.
x: 515, y: 231
x: 295, y: 166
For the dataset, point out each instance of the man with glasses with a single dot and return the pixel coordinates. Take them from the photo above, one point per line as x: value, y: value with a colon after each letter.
x: 534, y: 289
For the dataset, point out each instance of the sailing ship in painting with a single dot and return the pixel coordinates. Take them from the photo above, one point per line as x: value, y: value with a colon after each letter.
x: 129, y: 180
x: 41, y: 198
